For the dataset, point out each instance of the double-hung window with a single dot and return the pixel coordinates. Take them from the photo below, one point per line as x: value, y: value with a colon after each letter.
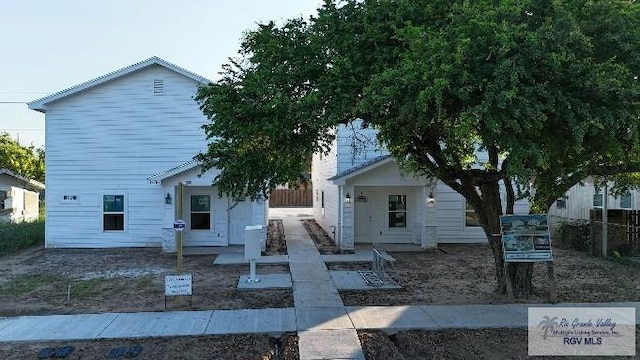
x: 397, y: 211
x: 200, y: 212
x: 113, y: 212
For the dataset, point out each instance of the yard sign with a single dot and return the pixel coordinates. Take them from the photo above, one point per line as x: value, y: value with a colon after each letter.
x: 177, y: 285
x: 526, y: 238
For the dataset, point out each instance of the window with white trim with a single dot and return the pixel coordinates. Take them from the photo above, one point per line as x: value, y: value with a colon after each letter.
x: 561, y: 203
x: 626, y: 201
x: 471, y: 217
x: 597, y: 200
x: 113, y: 212
x: 397, y: 211
x: 200, y: 212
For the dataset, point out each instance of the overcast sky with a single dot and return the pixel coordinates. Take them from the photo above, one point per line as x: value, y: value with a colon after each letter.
x: 49, y: 46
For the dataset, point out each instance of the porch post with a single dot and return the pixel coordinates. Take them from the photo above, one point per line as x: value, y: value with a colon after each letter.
x: 429, y: 238
x: 347, y: 220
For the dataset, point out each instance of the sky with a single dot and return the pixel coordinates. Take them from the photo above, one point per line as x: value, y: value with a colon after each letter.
x: 48, y: 46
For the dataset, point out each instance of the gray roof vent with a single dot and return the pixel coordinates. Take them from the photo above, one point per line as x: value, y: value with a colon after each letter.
x: 158, y: 87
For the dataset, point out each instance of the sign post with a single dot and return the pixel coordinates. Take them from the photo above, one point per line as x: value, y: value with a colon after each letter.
x: 526, y: 238
x: 179, y: 225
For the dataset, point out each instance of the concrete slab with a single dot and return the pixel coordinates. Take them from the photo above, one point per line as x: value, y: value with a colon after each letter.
x: 390, y: 318
x: 270, y: 321
x: 5, y: 322
x: 329, y: 344
x: 360, y: 255
x: 478, y: 316
x: 238, y: 259
x: 267, y: 281
x: 279, y: 213
x: 322, y: 318
x: 56, y: 327
x: 352, y: 280
x: 148, y: 324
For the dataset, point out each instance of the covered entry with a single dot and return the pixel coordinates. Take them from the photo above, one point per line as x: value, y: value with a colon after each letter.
x: 210, y: 220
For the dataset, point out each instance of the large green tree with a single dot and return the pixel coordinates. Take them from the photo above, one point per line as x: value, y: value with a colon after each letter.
x: 548, y: 90
x: 27, y: 161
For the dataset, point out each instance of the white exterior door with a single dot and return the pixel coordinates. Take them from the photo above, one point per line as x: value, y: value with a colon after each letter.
x: 203, y: 217
x: 239, y: 217
x: 364, y: 218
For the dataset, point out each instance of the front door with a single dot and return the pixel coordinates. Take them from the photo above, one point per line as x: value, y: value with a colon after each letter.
x: 364, y: 218
x: 204, y: 218
x: 239, y: 217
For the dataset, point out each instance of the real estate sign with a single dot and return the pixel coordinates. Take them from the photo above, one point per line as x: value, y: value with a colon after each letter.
x: 177, y: 285
x: 526, y: 238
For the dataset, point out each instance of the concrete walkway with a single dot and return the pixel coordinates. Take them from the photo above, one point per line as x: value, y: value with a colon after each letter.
x: 275, y: 322
x: 325, y: 331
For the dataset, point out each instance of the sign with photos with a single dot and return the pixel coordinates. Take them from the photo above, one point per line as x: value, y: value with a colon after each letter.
x: 526, y: 238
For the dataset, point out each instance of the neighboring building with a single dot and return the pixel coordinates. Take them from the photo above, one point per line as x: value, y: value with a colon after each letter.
x: 19, y: 197
x: 362, y: 196
x: 581, y: 199
x: 117, y: 147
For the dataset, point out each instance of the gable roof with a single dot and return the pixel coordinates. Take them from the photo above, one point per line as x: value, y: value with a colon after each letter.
x: 157, y: 178
x: 39, y: 104
x: 339, y: 179
x: 28, y: 183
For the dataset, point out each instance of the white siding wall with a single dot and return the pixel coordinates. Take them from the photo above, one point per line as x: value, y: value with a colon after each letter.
x: 322, y: 168
x: 579, y: 202
x: 356, y: 145
x: 108, y: 140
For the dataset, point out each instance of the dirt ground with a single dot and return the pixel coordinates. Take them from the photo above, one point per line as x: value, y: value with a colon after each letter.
x: 37, y: 281
x: 228, y: 347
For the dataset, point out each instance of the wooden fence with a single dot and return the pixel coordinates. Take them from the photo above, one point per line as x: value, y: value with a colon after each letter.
x: 291, y: 198
x: 623, y: 229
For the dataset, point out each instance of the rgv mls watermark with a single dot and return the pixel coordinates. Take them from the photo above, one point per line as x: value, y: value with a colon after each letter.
x: 583, y: 331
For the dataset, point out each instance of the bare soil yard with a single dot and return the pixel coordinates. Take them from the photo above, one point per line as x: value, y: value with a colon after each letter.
x: 466, y: 275
x: 36, y: 281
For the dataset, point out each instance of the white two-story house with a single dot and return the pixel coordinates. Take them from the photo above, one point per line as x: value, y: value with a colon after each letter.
x: 362, y: 196
x: 117, y: 148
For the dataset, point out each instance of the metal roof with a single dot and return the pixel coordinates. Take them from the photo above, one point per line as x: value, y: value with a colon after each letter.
x: 157, y: 178
x: 359, y: 169
x: 28, y: 182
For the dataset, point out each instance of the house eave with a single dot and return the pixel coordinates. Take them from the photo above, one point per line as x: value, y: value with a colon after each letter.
x: 40, y: 105
x: 157, y: 178
x: 341, y: 178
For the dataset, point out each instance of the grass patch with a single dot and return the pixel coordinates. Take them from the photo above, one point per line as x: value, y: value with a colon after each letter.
x: 15, y: 237
x: 24, y: 284
x: 85, y: 288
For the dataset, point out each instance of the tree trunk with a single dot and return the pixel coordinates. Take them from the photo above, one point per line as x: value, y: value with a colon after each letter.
x: 520, y: 274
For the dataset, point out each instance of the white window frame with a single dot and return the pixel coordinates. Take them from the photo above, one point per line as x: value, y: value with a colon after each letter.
x: 593, y: 200
x: 124, y: 212
x: 405, y: 211
x: 210, y: 212
x: 562, y: 201
x: 630, y: 196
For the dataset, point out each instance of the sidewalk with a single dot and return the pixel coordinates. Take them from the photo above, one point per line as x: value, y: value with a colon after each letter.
x: 270, y: 321
x: 326, y: 328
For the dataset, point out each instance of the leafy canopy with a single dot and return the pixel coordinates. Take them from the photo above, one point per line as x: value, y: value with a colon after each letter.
x: 548, y: 90
x: 24, y: 160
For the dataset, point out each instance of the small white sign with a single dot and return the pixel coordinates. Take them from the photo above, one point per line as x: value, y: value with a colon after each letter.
x: 177, y: 285
x: 179, y: 225
x: 586, y: 331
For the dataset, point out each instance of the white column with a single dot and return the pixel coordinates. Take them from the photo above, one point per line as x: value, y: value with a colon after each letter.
x: 429, y: 239
x: 347, y: 220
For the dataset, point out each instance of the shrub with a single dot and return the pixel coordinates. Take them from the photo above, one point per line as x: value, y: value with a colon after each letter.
x: 15, y: 237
